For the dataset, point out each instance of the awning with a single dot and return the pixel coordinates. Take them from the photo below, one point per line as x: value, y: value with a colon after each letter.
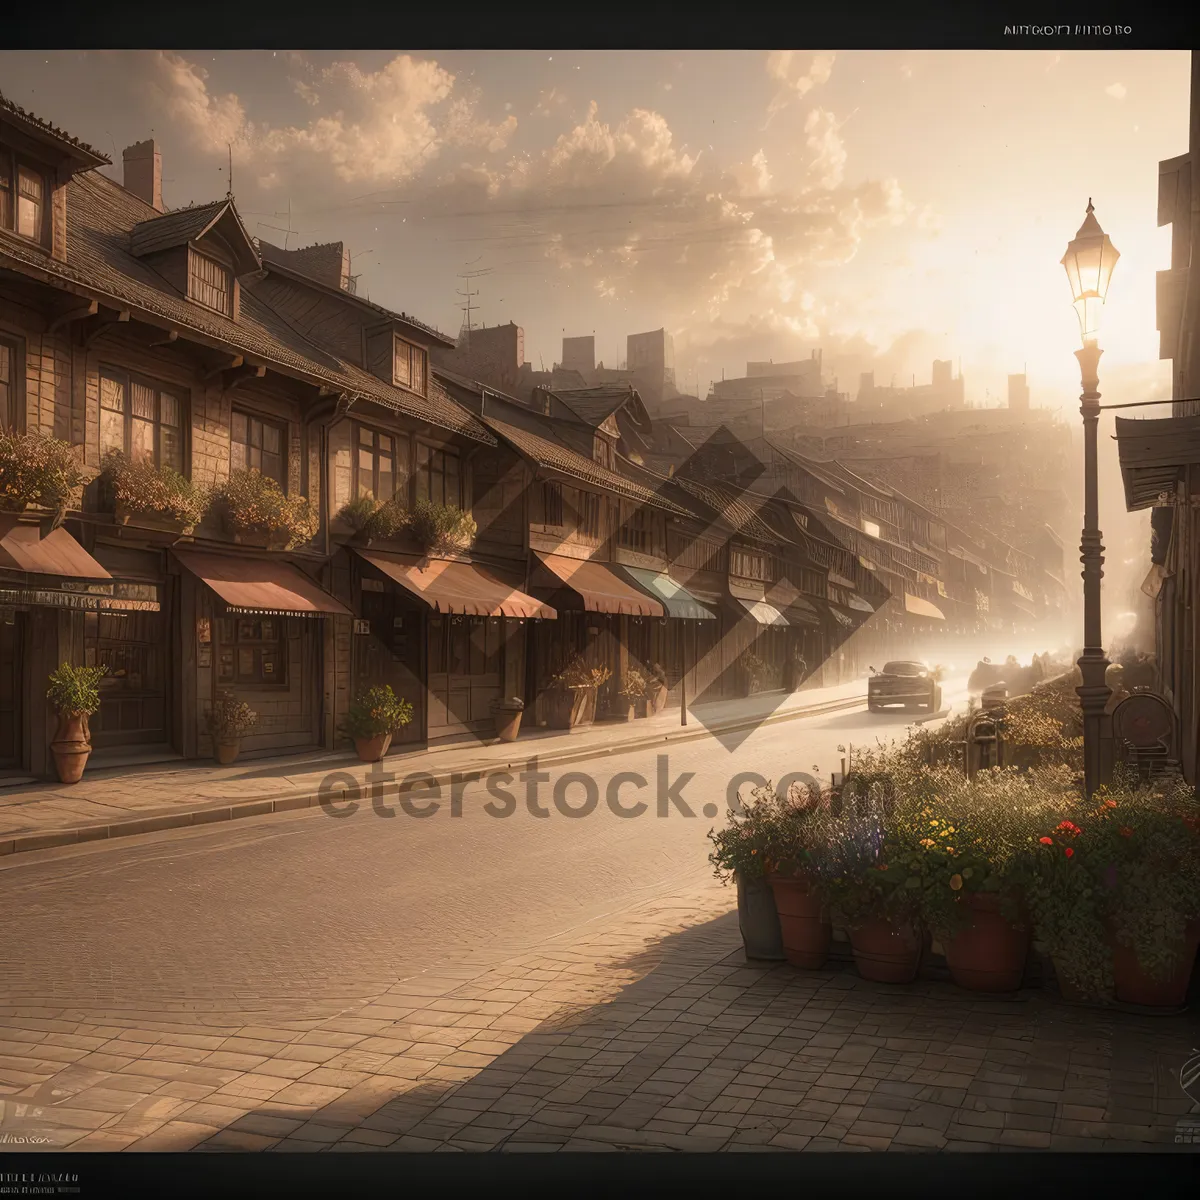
x: 22, y: 548
x: 457, y: 587
x: 752, y: 597
x: 922, y: 608
x: 802, y: 612
x: 253, y: 585
x: 859, y: 604
x: 674, y: 597
x: 596, y: 585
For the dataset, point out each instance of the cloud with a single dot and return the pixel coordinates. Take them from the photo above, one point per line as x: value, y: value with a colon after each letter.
x: 638, y: 218
x: 1116, y: 91
x: 550, y: 100
x: 380, y: 126
x: 795, y: 75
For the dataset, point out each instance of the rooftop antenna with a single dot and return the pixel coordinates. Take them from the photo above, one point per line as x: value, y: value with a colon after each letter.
x: 229, y: 193
x: 468, y: 295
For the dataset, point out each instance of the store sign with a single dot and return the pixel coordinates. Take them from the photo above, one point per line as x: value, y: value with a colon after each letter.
x: 116, y: 597
x: 362, y: 626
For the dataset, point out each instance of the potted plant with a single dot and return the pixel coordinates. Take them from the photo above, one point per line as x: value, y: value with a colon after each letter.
x: 978, y: 836
x: 657, y: 694
x: 572, y: 691
x: 227, y: 721
x: 631, y: 693
x: 791, y: 871
x: 440, y: 528
x: 74, y: 694
x: 869, y: 868
x: 754, y: 671
x: 38, y: 471
x: 507, y: 715
x: 256, y: 512
x: 150, y: 496
x: 373, y: 717
x: 1143, y: 849
x: 740, y: 853
x: 373, y: 521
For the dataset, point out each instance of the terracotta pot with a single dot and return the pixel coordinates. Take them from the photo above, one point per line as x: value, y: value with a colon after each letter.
x: 624, y: 710
x: 887, y: 951
x: 988, y: 952
x: 658, y: 698
x: 374, y: 748
x: 806, y: 928
x: 226, y: 752
x: 508, y: 723
x: 758, y: 919
x: 568, y: 707
x: 71, y: 746
x: 1133, y: 985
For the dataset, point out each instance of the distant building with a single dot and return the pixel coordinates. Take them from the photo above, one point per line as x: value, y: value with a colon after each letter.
x: 771, y: 381
x: 650, y: 361
x: 946, y: 391
x: 1018, y: 393
x: 491, y: 354
x: 579, y: 354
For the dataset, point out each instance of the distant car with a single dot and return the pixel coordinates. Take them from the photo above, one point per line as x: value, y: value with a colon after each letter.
x: 911, y: 684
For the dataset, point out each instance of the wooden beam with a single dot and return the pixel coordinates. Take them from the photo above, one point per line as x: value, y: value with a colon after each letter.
x: 233, y: 377
x: 78, y: 312
x: 101, y: 322
x: 234, y: 362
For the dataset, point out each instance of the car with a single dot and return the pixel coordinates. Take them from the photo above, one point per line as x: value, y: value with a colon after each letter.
x: 910, y: 683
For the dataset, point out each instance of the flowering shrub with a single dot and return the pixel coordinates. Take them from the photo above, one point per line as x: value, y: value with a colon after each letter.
x: 229, y: 718
x: 769, y: 834
x: 374, y: 520
x: 577, y: 676
x: 75, y: 691
x: 754, y: 666
x: 252, y: 503
x: 633, y: 685
x: 141, y: 487
x: 37, y: 470
x: 440, y: 528
x: 376, y: 712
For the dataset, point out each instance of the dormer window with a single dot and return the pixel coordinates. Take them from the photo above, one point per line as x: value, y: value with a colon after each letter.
x: 22, y: 197
x: 408, y: 366
x: 210, y: 283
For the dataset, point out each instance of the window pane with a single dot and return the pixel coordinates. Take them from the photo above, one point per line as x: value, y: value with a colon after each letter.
x: 112, y: 394
x: 458, y: 647
x: 403, y: 374
x: 29, y: 203
x: 237, y: 456
x: 172, y: 449
x: 386, y: 478
x: 5, y: 364
x: 271, y: 439
x: 6, y: 196
x: 238, y: 429
x: 437, y: 645
x: 366, y: 437
x: 168, y: 408
x: 143, y: 402
x: 418, y: 371
x: 142, y: 446
x: 452, y: 496
x: 478, y: 646
x: 112, y: 431
x: 272, y: 466
x: 254, y: 458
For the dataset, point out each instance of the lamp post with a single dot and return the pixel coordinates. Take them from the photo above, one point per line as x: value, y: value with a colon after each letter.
x: 1089, y: 263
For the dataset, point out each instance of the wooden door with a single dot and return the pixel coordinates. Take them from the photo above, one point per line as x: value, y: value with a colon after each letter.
x: 465, y: 673
x: 390, y: 655
x: 134, y: 694
x: 11, y: 684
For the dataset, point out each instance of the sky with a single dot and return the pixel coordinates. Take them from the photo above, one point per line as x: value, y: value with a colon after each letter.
x: 890, y: 207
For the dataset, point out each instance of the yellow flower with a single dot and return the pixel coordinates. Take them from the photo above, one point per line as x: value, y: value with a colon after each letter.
x: 955, y: 882
x: 927, y: 841
x: 949, y: 849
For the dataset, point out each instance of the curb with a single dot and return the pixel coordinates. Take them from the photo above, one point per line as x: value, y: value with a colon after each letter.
x: 307, y: 798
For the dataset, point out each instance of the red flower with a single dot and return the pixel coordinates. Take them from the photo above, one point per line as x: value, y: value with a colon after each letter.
x: 1047, y: 841
x: 1069, y: 851
x: 1126, y: 831
x: 1066, y: 825
x: 882, y: 867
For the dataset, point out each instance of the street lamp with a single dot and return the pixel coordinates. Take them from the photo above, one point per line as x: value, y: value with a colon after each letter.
x: 1089, y: 263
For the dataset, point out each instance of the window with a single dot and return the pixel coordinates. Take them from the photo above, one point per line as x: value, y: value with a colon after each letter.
x: 141, y: 419
x: 747, y: 565
x: 871, y: 528
x: 635, y: 531
x: 602, y: 451
x: 408, y: 368
x: 437, y: 476
x: 251, y: 651
x: 9, y: 389
x: 552, y: 504
x: 22, y: 197
x: 256, y: 445
x: 380, y: 464
x: 210, y: 283
x: 589, y: 514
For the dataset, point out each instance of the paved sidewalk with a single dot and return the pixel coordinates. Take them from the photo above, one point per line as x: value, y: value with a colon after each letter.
x: 646, y: 1031
x: 121, y: 801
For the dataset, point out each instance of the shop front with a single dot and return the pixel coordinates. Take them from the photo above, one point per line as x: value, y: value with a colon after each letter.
x: 760, y: 637
x: 598, y: 605
x: 458, y: 626
x: 253, y: 627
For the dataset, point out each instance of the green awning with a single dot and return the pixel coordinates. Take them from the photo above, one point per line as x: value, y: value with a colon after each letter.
x: 673, y: 596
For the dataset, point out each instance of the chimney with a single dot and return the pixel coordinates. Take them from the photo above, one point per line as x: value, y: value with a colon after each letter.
x: 143, y: 172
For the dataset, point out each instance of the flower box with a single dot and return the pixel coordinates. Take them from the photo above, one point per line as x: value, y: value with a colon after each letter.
x: 124, y: 515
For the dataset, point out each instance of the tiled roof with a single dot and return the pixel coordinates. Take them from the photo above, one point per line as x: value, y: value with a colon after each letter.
x: 595, y: 405
x: 82, y: 149
x: 100, y: 218
x: 732, y: 508
x: 166, y: 230
x: 282, y: 260
x: 557, y: 457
